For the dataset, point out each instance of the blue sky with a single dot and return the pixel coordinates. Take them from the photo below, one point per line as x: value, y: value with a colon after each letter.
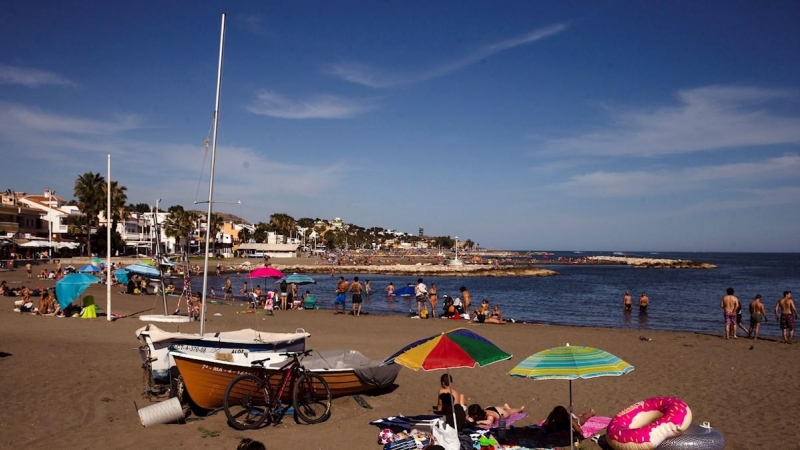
x: 520, y: 125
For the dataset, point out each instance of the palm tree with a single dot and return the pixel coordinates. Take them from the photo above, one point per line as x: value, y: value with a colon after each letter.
x: 89, y: 192
x: 283, y: 224
x: 215, y: 225
x: 180, y: 224
x: 261, y: 233
x: 244, y: 235
x: 118, y: 198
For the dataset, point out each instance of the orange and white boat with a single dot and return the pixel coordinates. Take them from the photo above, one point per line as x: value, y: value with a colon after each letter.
x: 347, y: 372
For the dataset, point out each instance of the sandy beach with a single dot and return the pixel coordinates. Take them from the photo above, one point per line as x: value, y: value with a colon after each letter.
x: 72, y: 383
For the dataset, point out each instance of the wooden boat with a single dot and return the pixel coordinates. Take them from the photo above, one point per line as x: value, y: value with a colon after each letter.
x: 158, y: 346
x: 347, y: 372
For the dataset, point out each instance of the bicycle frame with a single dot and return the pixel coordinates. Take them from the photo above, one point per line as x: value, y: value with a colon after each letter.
x: 288, y: 370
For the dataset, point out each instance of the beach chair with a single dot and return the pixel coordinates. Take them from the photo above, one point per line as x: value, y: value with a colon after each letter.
x: 89, y: 310
x: 310, y: 302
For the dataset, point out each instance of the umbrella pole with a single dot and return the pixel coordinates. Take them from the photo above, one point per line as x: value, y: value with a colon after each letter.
x: 571, y: 438
x: 453, y: 401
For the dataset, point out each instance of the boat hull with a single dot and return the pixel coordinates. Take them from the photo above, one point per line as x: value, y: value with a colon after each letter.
x: 206, y: 379
x: 243, y: 345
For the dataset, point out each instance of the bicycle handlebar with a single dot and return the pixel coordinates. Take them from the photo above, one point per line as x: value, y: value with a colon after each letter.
x: 260, y: 362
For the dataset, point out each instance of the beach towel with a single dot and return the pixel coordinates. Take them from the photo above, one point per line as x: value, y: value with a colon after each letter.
x: 509, y: 420
x: 405, y: 422
x: 592, y: 426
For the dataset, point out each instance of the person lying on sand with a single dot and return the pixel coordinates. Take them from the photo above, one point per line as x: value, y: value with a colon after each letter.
x: 491, y: 415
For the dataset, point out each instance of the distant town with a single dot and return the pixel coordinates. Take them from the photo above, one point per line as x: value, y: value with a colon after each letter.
x: 48, y: 225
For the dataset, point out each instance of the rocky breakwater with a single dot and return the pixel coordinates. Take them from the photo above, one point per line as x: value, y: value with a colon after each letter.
x: 652, y: 263
x: 422, y: 269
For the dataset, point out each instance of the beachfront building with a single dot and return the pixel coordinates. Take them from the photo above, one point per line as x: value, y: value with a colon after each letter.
x: 53, y: 211
x: 144, y: 233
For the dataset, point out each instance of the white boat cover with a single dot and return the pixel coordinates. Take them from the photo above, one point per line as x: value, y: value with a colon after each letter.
x: 245, y: 335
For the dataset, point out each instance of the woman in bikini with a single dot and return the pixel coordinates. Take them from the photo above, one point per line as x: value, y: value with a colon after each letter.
x: 490, y: 415
x: 432, y: 298
x: 496, y: 316
x: 459, y: 399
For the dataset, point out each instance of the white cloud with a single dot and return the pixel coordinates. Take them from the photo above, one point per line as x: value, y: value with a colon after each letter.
x: 269, y: 103
x: 64, y: 146
x: 372, y: 77
x: 633, y: 184
x: 708, y: 118
x: 31, y: 77
x: 16, y: 118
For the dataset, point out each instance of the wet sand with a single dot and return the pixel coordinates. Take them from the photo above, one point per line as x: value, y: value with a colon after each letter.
x: 72, y: 383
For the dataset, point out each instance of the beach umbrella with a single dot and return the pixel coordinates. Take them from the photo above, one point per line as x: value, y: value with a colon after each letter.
x: 90, y: 268
x: 297, y: 279
x: 72, y: 286
x: 569, y: 363
x: 455, y: 348
x: 96, y: 262
x: 122, y: 275
x: 266, y: 272
x: 143, y: 270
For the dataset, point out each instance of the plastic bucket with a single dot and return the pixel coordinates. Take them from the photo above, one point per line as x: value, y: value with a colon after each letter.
x: 164, y: 412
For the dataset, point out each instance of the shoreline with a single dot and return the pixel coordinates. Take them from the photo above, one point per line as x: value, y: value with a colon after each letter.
x: 92, y: 368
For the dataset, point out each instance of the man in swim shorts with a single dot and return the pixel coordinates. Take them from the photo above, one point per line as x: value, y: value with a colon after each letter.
x: 729, y: 303
x: 627, y: 301
x: 788, y: 315
x: 341, y: 296
x: 644, y: 302
x: 757, y: 315
x: 356, y: 289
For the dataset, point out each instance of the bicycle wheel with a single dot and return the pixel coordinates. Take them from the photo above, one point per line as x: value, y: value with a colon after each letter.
x: 312, y: 399
x: 246, y: 402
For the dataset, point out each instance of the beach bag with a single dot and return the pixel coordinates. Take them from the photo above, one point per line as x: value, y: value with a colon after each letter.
x: 445, y: 435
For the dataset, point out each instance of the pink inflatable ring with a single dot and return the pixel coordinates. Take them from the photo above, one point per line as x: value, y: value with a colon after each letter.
x: 645, y: 425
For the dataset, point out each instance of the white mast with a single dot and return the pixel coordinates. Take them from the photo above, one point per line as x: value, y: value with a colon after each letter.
x: 211, y: 177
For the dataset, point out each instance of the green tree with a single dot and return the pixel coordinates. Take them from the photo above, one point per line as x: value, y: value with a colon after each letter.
x: 215, y: 226
x: 99, y: 241
x: 245, y: 235
x: 180, y: 224
x: 261, y: 232
x: 89, y: 192
x: 283, y: 224
x: 118, y: 199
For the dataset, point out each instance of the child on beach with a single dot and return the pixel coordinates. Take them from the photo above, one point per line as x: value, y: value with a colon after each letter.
x: 269, y: 303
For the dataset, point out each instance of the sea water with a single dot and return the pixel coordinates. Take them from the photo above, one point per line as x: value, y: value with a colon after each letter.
x: 590, y: 295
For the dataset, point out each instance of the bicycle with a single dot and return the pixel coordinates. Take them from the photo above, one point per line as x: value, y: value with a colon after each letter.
x: 251, y: 401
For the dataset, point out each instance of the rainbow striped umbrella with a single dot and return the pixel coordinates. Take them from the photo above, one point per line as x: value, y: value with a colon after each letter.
x: 569, y: 363
x: 455, y: 348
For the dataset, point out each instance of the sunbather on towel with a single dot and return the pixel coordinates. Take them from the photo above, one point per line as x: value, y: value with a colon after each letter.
x: 458, y: 398
x: 491, y: 415
x: 558, y: 420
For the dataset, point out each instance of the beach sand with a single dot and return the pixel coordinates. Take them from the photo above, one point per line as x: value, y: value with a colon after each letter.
x: 72, y: 383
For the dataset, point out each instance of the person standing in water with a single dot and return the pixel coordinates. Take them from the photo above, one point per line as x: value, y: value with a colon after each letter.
x: 644, y: 302
x: 627, y: 301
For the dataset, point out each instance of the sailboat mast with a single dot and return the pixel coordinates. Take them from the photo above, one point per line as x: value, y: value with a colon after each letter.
x: 211, y: 176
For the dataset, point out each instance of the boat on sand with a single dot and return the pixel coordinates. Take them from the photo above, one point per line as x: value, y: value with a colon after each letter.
x: 347, y: 372
x: 158, y: 345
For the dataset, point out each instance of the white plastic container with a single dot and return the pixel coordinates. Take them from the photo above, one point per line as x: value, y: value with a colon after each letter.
x: 164, y: 412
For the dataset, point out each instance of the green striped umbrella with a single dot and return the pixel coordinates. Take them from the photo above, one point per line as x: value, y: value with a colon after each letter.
x: 569, y: 363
